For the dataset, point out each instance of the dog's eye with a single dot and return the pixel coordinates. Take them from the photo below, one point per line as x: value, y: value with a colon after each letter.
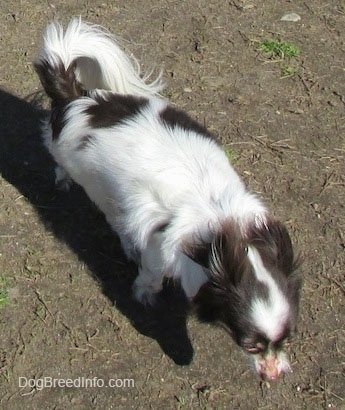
x: 254, y: 349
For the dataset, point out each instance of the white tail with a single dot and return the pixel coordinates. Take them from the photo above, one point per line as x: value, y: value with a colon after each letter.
x: 99, y: 60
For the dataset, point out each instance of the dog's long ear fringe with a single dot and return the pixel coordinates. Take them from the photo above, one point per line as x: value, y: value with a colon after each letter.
x: 224, y: 258
x: 273, y: 241
x: 199, y: 253
x: 207, y: 306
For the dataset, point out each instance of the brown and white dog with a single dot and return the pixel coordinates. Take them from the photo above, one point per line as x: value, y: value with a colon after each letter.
x: 168, y: 190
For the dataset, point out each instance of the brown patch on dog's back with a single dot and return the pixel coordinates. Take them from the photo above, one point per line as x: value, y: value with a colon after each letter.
x: 173, y: 118
x: 113, y: 108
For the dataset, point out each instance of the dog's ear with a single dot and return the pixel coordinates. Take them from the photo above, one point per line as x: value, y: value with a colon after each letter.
x: 206, y: 304
x: 294, y: 286
x: 224, y: 258
x: 274, y: 243
x: 198, y: 253
x: 284, y: 250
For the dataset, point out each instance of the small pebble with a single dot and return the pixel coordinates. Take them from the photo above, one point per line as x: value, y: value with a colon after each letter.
x: 291, y: 17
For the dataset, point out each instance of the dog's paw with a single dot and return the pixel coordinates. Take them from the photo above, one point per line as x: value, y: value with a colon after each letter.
x: 63, y: 181
x: 145, y: 295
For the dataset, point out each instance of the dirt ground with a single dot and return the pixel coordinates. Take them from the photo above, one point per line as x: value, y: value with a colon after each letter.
x: 66, y: 309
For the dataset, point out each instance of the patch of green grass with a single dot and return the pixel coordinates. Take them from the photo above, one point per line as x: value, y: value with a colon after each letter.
x: 230, y: 154
x: 4, y: 286
x: 278, y: 49
x: 289, y: 71
x: 7, y: 376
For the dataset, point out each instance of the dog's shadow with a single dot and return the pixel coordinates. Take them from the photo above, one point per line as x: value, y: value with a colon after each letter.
x: 72, y: 218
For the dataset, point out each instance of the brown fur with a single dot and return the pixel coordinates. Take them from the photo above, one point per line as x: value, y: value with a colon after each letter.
x: 232, y: 284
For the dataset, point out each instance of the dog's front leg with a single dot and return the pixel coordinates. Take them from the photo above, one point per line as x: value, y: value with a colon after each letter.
x: 63, y: 181
x: 149, y: 281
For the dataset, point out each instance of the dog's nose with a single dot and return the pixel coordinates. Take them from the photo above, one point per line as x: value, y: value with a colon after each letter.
x: 269, y: 370
x: 270, y: 377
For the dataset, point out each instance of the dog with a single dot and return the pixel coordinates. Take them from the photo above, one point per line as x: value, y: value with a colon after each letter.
x: 169, y: 192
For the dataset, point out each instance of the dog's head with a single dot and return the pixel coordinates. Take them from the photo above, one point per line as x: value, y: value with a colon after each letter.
x: 253, y: 290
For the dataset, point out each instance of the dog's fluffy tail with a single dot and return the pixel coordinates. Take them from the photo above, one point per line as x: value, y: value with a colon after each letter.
x: 87, y: 57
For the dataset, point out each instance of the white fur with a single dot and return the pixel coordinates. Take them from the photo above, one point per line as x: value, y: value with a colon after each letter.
x: 101, y: 63
x: 163, y: 190
x: 269, y: 316
x: 157, y: 177
x: 141, y: 173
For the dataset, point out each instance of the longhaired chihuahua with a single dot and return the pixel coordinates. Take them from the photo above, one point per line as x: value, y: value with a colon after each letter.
x: 168, y: 190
